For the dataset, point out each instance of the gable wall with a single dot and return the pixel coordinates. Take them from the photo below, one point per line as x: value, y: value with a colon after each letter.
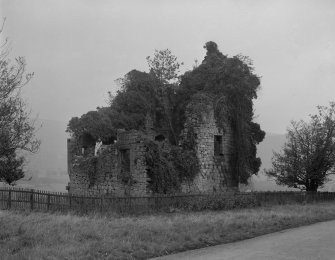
x: 108, y: 177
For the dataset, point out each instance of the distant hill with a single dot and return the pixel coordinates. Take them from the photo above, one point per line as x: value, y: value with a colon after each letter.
x: 48, y: 169
x: 272, y: 142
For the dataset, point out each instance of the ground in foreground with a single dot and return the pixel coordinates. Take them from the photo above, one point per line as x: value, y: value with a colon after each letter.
x: 55, y: 236
x: 302, y: 243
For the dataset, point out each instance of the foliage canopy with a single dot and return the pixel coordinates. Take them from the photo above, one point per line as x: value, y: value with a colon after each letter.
x: 227, y: 84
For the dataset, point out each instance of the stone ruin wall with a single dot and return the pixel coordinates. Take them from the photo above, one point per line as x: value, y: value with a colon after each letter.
x: 108, y: 177
x: 214, y: 174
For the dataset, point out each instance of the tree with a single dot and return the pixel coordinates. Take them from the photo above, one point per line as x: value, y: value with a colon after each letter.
x: 95, y: 123
x: 11, y: 168
x: 164, y: 66
x: 17, y: 131
x: 308, y: 157
x: 140, y: 94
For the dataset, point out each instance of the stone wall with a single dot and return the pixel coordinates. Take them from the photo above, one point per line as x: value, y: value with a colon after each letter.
x: 214, y: 174
x: 119, y: 169
x: 109, y: 176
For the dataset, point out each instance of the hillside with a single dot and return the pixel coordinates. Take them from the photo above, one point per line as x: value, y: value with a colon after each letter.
x: 47, y: 169
x: 272, y: 142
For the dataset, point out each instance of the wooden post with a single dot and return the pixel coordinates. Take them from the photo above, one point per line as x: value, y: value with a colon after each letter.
x: 32, y: 199
x: 101, y: 203
x: 82, y: 203
x: 70, y: 202
x: 48, y: 204
x: 9, y: 202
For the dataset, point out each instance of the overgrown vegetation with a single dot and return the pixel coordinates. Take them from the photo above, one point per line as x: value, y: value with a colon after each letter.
x: 168, y: 166
x: 41, y: 235
x: 227, y: 85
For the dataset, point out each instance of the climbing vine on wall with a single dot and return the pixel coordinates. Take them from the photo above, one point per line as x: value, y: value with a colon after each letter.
x: 225, y: 84
x: 230, y: 85
x: 168, y: 166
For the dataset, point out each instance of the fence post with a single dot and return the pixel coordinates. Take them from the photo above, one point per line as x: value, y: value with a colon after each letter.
x: 32, y: 199
x: 9, y: 202
x: 101, y: 203
x: 70, y: 202
x: 82, y: 203
x: 48, y: 204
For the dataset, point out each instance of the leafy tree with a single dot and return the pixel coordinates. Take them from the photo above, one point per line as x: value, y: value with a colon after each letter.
x: 95, y: 123
x: 11, y: 168
x: 164, y: 66
x: 308, y: 157
x: 17, y: 131
x: 137, y: 97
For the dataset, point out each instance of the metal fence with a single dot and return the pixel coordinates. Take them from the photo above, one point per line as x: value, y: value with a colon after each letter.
x: 16, y: 198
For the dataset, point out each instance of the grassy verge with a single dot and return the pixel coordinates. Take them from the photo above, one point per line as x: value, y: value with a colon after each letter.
x: 54, y: 236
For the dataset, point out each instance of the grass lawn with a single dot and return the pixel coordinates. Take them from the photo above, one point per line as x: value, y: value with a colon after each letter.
x: 55, y: 236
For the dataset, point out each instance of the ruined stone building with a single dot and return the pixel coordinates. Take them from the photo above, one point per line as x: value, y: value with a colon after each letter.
x: 120, y: 168
x: 114, y: 164
x: 193, y: 136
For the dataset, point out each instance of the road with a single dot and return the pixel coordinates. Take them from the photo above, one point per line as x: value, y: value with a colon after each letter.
x: 316, y: 241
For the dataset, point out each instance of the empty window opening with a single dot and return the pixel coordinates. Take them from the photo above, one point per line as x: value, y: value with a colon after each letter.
x: 87, y: 140
x: 218, y: 145
x: 125, y: 161
x: 159, y: 138
x: 109, y: 140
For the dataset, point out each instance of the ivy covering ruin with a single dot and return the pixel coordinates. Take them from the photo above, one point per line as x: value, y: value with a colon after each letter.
x: 224, y: 84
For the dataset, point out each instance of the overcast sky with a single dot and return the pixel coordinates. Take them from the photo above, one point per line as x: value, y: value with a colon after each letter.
x: 78, y: 48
